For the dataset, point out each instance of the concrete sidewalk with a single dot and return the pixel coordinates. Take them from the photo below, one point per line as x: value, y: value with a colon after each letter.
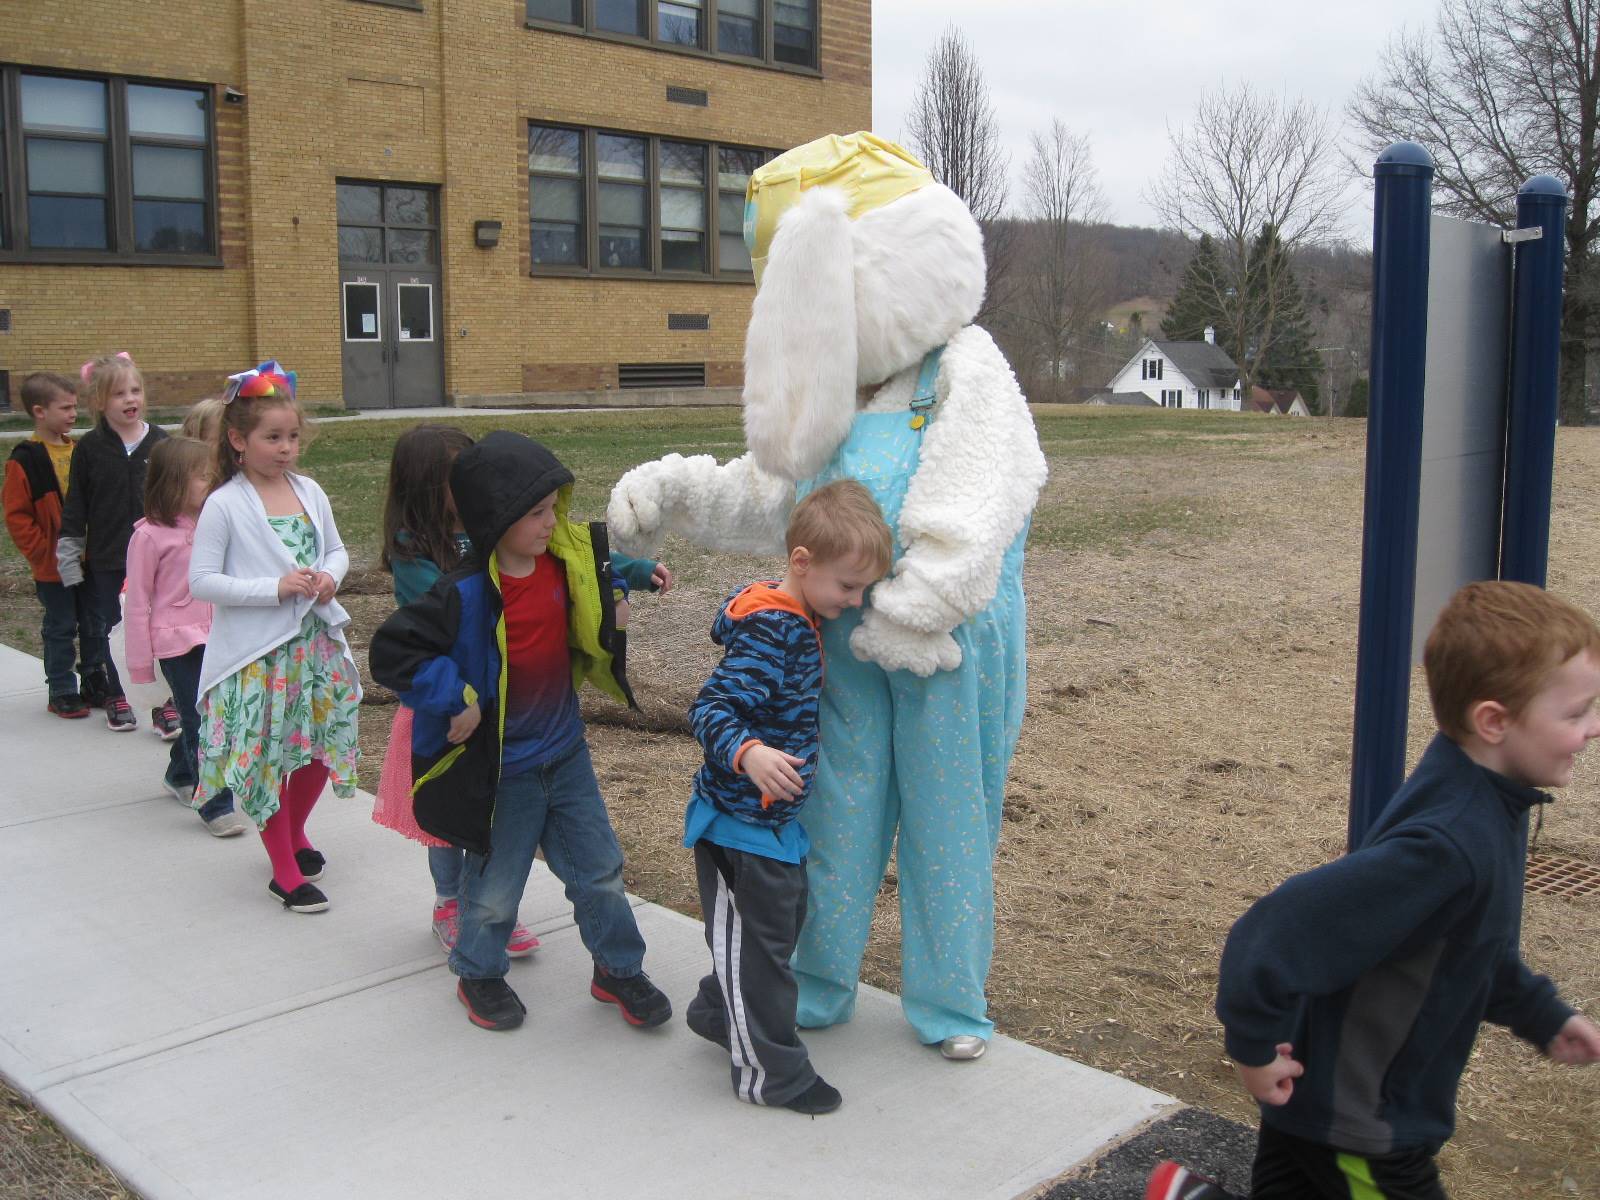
x: 207, y: 1045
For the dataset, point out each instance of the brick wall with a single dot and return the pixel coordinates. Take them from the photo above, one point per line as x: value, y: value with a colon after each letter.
x: 342, y: 89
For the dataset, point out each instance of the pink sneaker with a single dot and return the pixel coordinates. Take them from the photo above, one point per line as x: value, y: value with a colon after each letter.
x: 521, y: 943
x: 447, y: 924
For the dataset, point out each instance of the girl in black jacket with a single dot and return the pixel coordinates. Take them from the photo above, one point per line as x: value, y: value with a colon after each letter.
x: 105, y: 496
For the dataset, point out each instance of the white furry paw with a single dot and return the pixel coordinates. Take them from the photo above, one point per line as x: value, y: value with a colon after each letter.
x: 907, y: 599
x: 634, y: 514
x: 897, y: 647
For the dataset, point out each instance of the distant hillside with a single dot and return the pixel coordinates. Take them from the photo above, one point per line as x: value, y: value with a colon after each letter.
x: 1135, y: 270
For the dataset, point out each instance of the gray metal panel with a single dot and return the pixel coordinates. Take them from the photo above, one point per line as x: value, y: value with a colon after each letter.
x: 1464, y: 415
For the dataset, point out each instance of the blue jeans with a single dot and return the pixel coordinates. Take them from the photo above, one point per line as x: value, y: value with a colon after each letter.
x: 183, y: 677
x: 72, y: 622
x: 556, y: 805
x: 444, y: 863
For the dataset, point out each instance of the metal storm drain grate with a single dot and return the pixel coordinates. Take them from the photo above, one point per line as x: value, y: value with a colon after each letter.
x: 1552, y: 876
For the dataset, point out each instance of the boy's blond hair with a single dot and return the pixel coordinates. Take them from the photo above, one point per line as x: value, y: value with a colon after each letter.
x: 841, y: 520
x: 1499, y: 641
x: 203, y: 421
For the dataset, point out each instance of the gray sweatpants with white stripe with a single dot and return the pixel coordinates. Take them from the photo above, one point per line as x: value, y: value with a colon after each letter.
x: 754, y: 908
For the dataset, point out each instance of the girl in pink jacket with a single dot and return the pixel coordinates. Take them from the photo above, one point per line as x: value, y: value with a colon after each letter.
x: 164, y: 623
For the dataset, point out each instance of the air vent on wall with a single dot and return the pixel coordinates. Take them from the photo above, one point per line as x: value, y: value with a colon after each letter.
x: 661, y: 375
x: 683, y: 95
x: 688, y: 321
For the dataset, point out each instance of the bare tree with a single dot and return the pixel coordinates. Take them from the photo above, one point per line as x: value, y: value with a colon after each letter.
x: 954, y: 131
x: 1251, y: 162
x: 1062, y: 289
x: 1501, y: 90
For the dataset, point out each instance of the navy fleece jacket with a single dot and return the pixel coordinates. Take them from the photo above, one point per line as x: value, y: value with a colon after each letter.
x: 1380, y: 966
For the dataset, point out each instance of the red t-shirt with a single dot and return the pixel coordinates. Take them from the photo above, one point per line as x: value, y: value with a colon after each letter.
x: 541, y: 706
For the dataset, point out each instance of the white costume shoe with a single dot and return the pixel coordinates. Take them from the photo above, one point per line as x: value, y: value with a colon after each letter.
x: 964, y: 1047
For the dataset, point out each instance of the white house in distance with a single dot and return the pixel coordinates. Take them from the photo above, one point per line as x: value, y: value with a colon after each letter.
x: 1181, y: 375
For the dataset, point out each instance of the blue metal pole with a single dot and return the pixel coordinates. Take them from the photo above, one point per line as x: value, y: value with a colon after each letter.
x: 1402, y: 209
x: 1535, y: 371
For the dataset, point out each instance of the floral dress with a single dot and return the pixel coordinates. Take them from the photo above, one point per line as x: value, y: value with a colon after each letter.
x: 294, y: 705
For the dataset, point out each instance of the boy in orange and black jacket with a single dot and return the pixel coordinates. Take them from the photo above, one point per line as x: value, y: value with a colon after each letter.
x: 36, y: 481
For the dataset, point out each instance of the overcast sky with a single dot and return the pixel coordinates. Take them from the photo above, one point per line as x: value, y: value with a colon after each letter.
x: 1121, y: 72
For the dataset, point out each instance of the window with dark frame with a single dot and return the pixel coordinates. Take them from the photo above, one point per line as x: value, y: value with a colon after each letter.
x: 780, y: 33
x: 626, y: 17
x: 387, y: 223
x: 635, y: 204
x: 106, y: 168
x: 555, y: 170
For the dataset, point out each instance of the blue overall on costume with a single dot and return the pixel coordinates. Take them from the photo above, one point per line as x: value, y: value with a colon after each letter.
x: 925, y: 756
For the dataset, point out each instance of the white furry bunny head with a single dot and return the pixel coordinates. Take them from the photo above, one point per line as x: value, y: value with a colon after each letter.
x: 845, y: 303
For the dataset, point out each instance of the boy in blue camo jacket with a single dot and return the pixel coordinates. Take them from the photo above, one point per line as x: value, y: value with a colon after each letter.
x: 756, y: 718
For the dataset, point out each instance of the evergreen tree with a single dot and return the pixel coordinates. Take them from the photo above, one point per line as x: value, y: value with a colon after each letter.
x: 1286, y: 357
x: 1355, y: 404
x: 1198, y: 302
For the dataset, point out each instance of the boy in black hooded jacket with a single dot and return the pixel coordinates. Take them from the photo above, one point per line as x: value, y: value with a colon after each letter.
x: 489, y: 660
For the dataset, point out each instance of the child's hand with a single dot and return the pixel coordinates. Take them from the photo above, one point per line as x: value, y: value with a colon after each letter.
x: 463, y: 723
x: 623, y: 612
x: 326, y: 586
x: 1274, y: 1083
x: 1577, y: 1043
x: 661, y: 578
x: 298, y: 582
x: 773, y: 771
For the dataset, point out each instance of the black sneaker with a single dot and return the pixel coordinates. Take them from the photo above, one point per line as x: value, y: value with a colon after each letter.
x: 164, y: 721
x: 96, y: 689
x: 491, y: 1004
x: 310, y: 863
x: 69, y: 705
x: 702, y: 1026
x: 304, y: 899
x: 821, y: 1097
x: 641, y: 1002
x: 119, y: 714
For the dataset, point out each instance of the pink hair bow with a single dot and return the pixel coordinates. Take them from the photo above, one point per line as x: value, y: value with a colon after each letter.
x: 88, y: 368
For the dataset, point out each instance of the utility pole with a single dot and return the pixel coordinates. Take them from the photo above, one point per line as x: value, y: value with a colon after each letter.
x: 1329, y: 368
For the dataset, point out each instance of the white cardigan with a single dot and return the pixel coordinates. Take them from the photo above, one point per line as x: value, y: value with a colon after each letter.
x: 237, y: 562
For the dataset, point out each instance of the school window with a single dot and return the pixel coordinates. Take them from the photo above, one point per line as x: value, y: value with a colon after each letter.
x: 387, y: 223
x: 105, y: 169
x: 778, y: 33
x: 628, y: 204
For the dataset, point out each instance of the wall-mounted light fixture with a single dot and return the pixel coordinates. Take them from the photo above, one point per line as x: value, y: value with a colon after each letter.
x: 486, y: 234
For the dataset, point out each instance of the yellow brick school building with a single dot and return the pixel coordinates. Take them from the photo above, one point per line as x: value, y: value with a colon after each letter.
x: 410, y: 202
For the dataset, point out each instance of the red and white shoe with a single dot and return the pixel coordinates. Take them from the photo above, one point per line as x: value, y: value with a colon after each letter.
x: 521, y: 943
x: 1169, y: 1181
x: 447, y: 924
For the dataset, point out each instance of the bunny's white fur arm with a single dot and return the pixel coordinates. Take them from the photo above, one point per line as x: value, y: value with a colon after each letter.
x: 736, y: 507
x: 978, y: 478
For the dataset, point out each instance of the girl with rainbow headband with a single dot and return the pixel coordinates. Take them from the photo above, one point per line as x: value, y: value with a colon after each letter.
x: 278, y: 685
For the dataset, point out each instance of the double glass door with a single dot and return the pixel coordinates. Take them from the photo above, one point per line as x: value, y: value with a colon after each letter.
x: 390, y: 305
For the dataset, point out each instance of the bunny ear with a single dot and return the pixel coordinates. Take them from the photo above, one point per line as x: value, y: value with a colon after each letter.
x: 800, y: 350
x: 86, y: 370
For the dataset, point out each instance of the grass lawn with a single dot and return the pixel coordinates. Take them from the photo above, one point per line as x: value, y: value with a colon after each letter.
x: 1192, y: 584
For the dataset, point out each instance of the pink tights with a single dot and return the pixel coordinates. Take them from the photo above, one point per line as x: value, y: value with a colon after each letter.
x: 285, y: 832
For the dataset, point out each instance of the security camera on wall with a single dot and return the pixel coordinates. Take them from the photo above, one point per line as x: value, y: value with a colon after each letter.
x: 232, y: 95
